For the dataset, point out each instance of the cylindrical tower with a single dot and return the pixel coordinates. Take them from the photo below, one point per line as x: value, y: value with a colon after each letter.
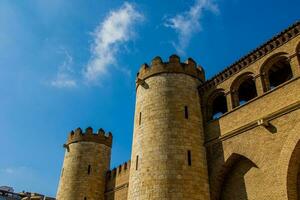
x: 87, y: 159
x: 168, y: 156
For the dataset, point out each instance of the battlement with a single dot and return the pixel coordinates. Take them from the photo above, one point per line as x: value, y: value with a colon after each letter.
x: 100, y: 137
x: 117, y: 171
x: 174, y: 65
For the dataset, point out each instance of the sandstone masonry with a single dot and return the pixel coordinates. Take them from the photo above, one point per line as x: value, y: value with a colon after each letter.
x: 235, y: 136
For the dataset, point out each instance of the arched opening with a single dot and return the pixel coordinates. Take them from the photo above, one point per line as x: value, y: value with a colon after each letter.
x: 279, y: 72
x: 276, y: 71
x: 243, y: 89
x: 298, y: 52
x: 246, y: 91
x: 234, y: 185
x: 217, y: 105
x: 293, y: 177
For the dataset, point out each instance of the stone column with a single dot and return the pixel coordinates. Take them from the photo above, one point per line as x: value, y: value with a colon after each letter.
x: 259, y: 84
x: 234, y: 98
x: 229, y: 100
x: 295, y: 64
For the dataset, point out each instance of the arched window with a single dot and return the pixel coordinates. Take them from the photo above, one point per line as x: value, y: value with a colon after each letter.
x: 244, y: 89
x: 217, y: 105
x: 279, y: 73
x: 276, y: 71
x: 298, y: 52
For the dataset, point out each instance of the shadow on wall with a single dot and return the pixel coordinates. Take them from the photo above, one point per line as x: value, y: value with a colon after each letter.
x: 293, y: 179
x: 111, y: 184
x: 227, y: 177
x: 234, y: 186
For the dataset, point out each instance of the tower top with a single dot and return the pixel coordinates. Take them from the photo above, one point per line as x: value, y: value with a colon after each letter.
x: 88, y: 136
x: 174, y: 65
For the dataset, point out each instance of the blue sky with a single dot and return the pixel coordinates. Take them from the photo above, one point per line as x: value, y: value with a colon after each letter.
x: 68, y: 64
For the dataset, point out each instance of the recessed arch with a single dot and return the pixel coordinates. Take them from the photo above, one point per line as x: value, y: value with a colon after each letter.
x: 231, y: 175
x: 217, y: 104
x: 298, y: 48
x: 276, y: 70
x: 293, y: 175
x: 284, y: 163
x: 298, y: 52
x: 243, y: 89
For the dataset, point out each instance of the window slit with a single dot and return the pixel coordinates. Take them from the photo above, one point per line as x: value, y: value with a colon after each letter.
x: 89, y: 169
x: 140, y: 118
x: 186, y: 112
x: 189, y: 158
x: 137, y: 163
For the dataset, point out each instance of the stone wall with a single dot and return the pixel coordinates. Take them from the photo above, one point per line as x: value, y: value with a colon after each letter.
x: 251, y: 151
x: 85, y: 166
x: 252, y: 148
x: 117, y: 182
x: 163, y: 135
x: 250, y: 163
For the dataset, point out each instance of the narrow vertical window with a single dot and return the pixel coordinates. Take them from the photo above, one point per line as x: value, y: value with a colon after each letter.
x: 85, y: 198
x: 186, y: 112
x: 189, y: 158
x: 140, y: 118
x: 89, y: 169
x: 137, y: 163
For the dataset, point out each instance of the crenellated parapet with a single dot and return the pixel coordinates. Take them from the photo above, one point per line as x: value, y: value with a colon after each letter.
x: 121, y: 169
x: 174, y: 65
x: 89, y: 136
x: 117, y: 181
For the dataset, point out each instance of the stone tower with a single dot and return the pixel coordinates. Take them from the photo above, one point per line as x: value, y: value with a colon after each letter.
x: 168, y: 156
x: 87, y: 159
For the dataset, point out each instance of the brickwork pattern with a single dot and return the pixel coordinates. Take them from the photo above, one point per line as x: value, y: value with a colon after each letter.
x: 117, y: 182
x: 84, y: 170
x: 267, y: 170
x: 162, y: 138
x: 251, y: 152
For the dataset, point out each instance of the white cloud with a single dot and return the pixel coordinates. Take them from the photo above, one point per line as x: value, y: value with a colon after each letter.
x: 189, y: 23
x: 116, y: 29
x: 14, y: 170
x: 9, y: 170
x: 64, y: 77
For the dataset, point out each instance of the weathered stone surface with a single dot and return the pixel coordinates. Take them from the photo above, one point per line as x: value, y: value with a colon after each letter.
x: 84, y: 169
x: 250, y: 152
x: 162, y: 138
